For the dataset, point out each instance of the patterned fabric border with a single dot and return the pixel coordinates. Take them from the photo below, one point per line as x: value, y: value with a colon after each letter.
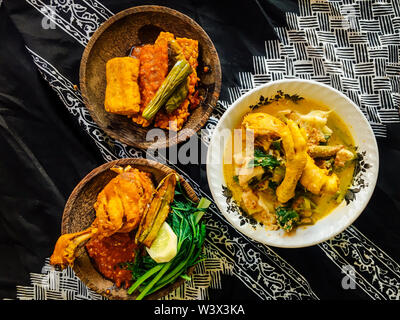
x: 324, y: 43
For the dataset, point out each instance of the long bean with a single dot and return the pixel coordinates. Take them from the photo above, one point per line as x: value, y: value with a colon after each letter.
x: 177, y: 270
x: 144, y: 277
x: 153, y: 281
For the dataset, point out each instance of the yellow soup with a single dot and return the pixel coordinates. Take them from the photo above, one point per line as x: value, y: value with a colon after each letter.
x: 290, y: 169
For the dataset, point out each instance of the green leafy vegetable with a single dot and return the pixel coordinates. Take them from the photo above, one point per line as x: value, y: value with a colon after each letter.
x: 264, y: 160
x: 184, y: 220
x: 287, y: 218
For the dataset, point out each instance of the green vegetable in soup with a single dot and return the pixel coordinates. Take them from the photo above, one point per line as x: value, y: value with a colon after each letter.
x: 287, y: 218
x: 264, y: 160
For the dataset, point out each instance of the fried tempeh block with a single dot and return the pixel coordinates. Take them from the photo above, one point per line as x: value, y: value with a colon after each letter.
x: 122, y: 91
x: 153, y: 70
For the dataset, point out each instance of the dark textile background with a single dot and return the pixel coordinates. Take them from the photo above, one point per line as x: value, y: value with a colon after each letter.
x: 44, y: 151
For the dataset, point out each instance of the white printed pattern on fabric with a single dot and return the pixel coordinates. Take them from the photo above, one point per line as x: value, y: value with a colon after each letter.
x: 247, y: 82
x: 353, y: 46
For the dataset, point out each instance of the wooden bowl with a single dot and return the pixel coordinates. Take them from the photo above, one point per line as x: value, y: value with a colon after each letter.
x: 79, y: 214
x: 114, y: 38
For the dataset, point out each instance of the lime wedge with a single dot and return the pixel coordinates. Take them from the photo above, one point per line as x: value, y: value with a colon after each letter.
x: 164, y: 246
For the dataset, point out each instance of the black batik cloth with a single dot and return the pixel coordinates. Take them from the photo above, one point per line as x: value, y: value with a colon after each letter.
x: 48, y: 143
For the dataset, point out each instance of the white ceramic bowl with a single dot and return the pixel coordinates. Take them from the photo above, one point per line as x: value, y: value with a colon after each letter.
x: 360, y: 192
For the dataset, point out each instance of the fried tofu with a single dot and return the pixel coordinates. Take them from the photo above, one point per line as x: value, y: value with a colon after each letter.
x: 122, y: 91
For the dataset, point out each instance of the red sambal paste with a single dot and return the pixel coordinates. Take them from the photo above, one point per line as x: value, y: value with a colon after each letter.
x: 109, y: 254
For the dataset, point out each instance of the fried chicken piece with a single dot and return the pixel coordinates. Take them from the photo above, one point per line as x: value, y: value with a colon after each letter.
x: 119, y: 208
x: 317, y: 180
x: 295, y: 164
x: 293, y: 143
x: 67, y: 245
x: 264, y: 124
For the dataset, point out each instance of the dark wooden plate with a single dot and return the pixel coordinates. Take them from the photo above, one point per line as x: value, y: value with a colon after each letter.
x: 79, y: 214
x: 114, y: 38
